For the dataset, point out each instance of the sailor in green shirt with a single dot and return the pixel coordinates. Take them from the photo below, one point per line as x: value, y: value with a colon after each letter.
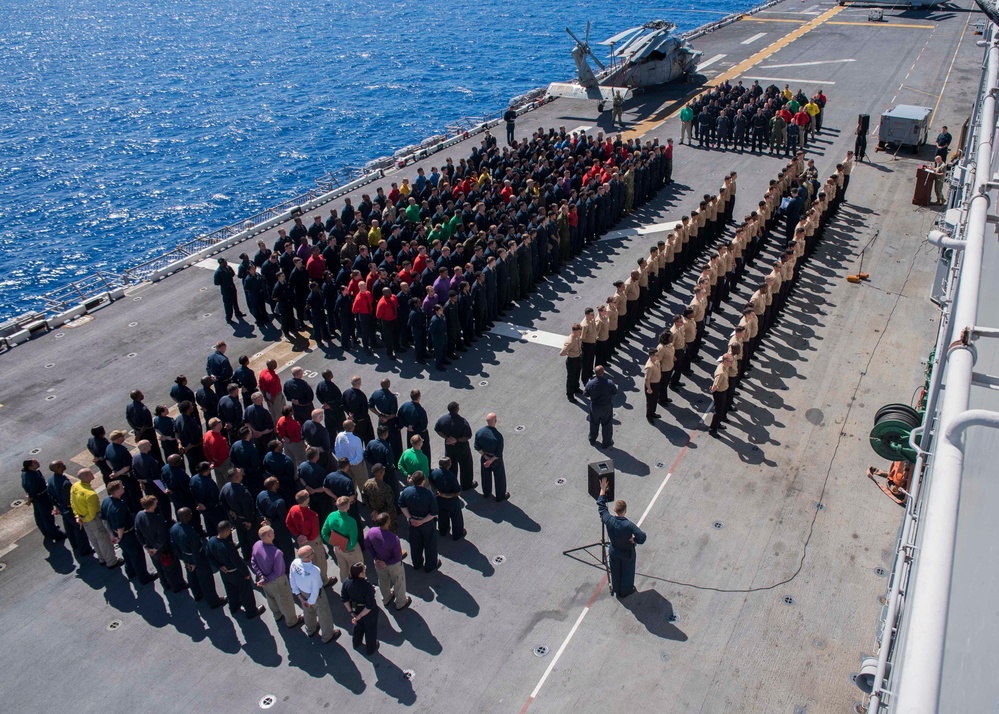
x: 436, y: 233
x: 413, y: 211
x: 344, y: 525
x: 687, y: 117
x: 413, y: 459
x: 454, y: 225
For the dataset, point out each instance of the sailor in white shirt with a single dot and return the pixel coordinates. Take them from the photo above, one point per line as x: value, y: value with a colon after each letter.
x: 348, y: 446
x: 307, y: 585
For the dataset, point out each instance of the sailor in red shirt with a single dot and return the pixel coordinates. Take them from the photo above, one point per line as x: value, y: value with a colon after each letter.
x: 420, y: 262
x: 316, y: 265
x: 802, y: 119
x: 363, y: 310
x: 303, y: 523
x: 387, y: 313
x: 355, y: 280
x: 269, y: 384
x: 216, y: 449
x: 289, y: 430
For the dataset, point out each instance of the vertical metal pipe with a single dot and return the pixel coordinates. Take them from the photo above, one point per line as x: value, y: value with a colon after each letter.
x: 920, y: 665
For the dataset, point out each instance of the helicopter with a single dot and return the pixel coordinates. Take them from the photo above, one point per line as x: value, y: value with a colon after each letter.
x: 643, y: 56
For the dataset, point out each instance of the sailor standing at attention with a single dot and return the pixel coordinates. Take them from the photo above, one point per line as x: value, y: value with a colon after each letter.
x: 623, y: 536
x: 572, y: 350
x: 489, y: 443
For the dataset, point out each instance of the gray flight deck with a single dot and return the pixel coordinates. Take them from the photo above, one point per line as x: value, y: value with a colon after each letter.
x: 764, y: 544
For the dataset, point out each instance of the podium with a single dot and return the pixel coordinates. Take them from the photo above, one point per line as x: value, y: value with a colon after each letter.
x: 923, y: 191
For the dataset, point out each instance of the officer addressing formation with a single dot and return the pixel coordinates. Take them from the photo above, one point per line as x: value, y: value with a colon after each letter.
x: 262, y: 481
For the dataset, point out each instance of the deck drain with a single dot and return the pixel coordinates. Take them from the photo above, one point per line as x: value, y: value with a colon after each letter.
x: 664, y: 657
x: 130, y: 355
x: 819, y: 644
x: 717, y: 525
x: 880, y: 572
x: 541, y: 651
x: 673, y: 617
x: 409, y: 675
x: 499, y: 560
x: 660, y: 464
x: 267, y: 701
x: 59, y: 334
x: 17, y: 503
x: 820, y: 506
x: 577, y: 297
x: 201, y: 290
x: 560, y: 481
x: 520, y: 427
x: 207, y: 314
x: 50, y: 365
x: 36, y: 450
x: 136, y: 299
x: 113, y: 625
x: 801, y: 709
x: 787, y: 600
x: 132, y: 324
x: 483, y: 383
x: 50, y: 398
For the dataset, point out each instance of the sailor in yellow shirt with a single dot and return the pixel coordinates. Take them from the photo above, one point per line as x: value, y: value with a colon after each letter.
x: 812, y: 109
x: 374, y: 234
x: 86, y: 507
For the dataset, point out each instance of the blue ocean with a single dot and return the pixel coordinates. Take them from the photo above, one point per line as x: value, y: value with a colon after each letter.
x: 129, y: 127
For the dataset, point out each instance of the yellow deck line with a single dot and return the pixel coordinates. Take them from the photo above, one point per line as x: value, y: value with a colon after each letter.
x: 733, y: 72
x: 884, y: 24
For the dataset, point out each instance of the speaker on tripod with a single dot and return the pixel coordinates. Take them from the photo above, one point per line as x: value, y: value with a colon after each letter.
x: 594, y: 472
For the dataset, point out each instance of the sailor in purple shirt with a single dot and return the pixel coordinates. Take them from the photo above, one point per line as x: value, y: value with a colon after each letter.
x: 442, y: 286
x: 388, y: 553
x: 267, y: 563
x: 429, y: 303
x: 457, y: 279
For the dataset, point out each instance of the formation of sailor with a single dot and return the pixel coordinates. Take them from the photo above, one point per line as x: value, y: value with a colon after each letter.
x: 431, y: 268
x: 263, y: 521
x: 604, y: 329
x: 753, y: 118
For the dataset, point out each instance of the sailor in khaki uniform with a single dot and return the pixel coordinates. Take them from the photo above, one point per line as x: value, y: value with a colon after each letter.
x: 622, y: 311
x: 719, y: 393
x: 679, y: 345
x: 603, y: 334
x: 632, y: 292
x: 653, y: 376
x: 665, y: 354
x: 612, y: 325
x: 589, y: 338
x: 572, y: 350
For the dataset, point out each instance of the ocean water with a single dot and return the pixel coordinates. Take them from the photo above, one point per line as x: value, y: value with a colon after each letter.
x: 127, y: 127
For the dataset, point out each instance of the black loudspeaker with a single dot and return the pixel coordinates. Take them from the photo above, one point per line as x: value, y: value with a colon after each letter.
x: 863, y: 124
x: 597, y: 471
